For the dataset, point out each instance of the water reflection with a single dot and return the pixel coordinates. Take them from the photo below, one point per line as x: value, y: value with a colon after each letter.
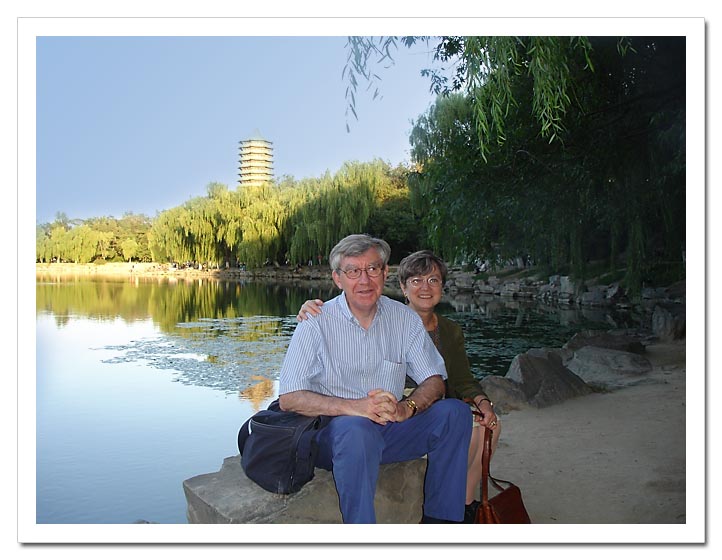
x: 491, y: 307
x: 222, y: 354
x: 136, y: 373
x: 497, y: 329
x: 228, y: 335
x: 171, y: 302
x: 260, y: 393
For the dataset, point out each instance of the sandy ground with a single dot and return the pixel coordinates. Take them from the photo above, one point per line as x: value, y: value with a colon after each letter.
x: 615, y: 457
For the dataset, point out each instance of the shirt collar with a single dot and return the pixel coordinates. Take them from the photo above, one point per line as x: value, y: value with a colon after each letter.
x: 346, y: 311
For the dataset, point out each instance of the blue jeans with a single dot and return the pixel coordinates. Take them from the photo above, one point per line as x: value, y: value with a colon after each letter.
x: 354, y: 447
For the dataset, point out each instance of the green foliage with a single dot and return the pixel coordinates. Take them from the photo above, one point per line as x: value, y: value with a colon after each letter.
x: 86, y: 241
x: 611, y: 184
x: 264, y: 215
x: 271, y: 223
x: 129, y: 248
x: 561, y: 150
x: 288, y: 221
x: 486, y: 68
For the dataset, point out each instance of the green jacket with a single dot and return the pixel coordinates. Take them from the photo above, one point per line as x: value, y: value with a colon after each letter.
x: 461, y: 383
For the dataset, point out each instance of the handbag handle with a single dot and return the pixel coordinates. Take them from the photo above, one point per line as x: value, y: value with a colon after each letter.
x: 485, y: 457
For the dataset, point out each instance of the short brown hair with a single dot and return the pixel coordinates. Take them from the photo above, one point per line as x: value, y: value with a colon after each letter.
x: 421, y: 262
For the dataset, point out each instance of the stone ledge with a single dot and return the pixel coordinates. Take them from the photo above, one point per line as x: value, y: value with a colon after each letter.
x: 229, y: 496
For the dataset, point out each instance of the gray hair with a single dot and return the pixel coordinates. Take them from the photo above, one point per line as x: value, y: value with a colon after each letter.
x: 420, y: 263
x: 355, y: 245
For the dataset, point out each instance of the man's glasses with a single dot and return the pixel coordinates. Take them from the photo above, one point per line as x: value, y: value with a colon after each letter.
x: 373, y: 271
x: 417, y: 282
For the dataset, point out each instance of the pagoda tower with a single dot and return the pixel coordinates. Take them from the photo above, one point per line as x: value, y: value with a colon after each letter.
x: 256, y: 161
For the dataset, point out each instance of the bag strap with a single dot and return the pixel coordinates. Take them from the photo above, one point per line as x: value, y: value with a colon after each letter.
x: 486, y: 476
x: 485, y: 457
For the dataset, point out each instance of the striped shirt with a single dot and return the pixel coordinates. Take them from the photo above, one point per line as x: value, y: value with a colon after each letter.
x: 333, y: 355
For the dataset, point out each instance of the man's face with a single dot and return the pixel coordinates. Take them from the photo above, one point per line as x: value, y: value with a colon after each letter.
x: 363, y: 292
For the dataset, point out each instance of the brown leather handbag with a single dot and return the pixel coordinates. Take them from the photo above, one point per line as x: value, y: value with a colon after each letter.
x: 507, y: 505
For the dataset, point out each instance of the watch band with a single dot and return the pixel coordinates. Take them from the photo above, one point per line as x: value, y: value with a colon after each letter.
x: 412, y: 405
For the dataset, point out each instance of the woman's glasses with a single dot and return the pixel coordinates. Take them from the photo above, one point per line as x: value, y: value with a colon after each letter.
x: 417, y: 282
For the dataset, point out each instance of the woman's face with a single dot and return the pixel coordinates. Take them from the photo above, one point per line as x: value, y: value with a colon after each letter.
x: 424, y: 290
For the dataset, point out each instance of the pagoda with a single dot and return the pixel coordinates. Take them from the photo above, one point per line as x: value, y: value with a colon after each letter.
x: 256, y: 161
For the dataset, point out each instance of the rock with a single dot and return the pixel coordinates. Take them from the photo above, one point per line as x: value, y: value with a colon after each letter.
x: 464, y: 280
x: 229, y: 496
x: 504, y: 393
x: 543, y: 378
x: 509, y: 289
x: 677, y: 292
x: 528, y: 291
x: 567, y: 286
x: 536, y: 378
x: 605, y: 339
x: 482, y: 288
x: 653, y: 293
x: 669, y: 322
x: 609, y: 369
x: 547, y: 292
x: 596, y: 295
x: 615, y: 293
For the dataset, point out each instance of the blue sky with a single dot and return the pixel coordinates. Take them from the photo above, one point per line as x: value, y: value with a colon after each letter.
x: 142, y: 124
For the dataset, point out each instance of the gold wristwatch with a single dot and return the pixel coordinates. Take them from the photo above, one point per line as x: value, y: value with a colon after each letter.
x: 412, y: 405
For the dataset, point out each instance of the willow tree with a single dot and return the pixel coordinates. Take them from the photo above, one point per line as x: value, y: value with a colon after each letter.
x: 58, y: 243
x: 228, y: 219
x: 81, y: 244
x: 195, y: 231
x: 167, y: 238
x: 612, y: 178
x: 130, y: 248
x: 392, y: 217
x: 136, y: 227
x: 263, y: 217
x: 483, y: 67
x: 445, y: 148
x: 332, y: 208
x: 487, y: 70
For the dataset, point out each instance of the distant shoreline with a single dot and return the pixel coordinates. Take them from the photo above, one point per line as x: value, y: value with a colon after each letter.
x: 155, y: 269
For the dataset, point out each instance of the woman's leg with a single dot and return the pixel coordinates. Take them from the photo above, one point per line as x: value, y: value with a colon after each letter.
x: 473, y: 475
x: 476, y: 450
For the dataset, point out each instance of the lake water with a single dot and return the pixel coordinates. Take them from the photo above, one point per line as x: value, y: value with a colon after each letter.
x: 143, y: 383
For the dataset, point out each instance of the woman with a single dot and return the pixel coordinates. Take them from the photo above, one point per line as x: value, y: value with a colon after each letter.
x: 422, y: 276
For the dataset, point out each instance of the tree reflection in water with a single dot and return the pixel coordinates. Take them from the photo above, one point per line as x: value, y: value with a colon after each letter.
x: 229, y: 335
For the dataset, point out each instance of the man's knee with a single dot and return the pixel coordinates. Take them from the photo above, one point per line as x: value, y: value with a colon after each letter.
x: 452, y: 418
x: 353, y: 434
x: 454, y: 409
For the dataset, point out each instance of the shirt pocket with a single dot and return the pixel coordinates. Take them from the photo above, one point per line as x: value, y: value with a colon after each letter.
x: 392, y: 370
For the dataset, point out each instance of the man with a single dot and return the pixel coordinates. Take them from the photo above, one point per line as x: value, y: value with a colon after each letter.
x: 350, y: 362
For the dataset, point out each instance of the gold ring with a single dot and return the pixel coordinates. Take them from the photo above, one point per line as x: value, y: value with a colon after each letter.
x: 493, y: 423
